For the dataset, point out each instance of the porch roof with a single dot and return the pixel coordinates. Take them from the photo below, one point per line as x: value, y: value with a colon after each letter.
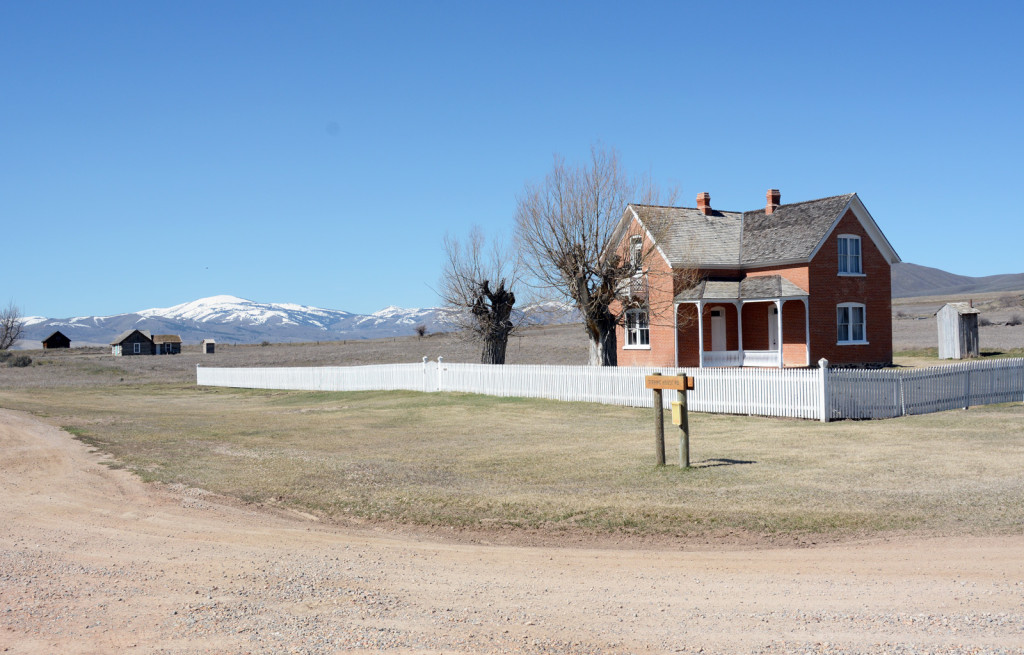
x: 761, y: 287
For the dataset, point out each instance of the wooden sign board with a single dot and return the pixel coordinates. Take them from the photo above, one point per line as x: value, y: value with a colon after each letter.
x: 679, y: 382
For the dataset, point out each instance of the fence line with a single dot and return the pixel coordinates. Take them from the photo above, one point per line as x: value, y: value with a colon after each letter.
x: 886, y: 394
x: 823, y: 394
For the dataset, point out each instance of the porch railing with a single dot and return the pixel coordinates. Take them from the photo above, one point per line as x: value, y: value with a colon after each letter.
x: 714, y: 358
x: 638, y: 287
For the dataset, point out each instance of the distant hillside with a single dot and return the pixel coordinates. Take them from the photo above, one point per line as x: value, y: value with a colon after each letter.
x: 228, y: 319
x: 910, y: 280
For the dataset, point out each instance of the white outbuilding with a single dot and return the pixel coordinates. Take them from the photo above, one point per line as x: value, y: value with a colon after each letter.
x: 958, y: 331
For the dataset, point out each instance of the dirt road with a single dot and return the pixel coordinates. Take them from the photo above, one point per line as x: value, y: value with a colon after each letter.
x: 94, y: 561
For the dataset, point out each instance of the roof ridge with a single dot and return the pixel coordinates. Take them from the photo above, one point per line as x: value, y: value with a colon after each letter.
x: 803, y: 202
x: 747, y: 211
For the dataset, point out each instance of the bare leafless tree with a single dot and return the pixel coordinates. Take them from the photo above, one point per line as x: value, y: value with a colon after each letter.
x: 478, y: 288
x: 564, y: 228
x: 10, y: 325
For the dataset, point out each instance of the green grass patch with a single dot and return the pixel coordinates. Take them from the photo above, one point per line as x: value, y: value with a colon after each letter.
x: 470, y: 461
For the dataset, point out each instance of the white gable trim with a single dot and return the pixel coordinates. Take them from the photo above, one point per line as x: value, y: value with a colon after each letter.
x: 870, y: 226
x: 628, y: 217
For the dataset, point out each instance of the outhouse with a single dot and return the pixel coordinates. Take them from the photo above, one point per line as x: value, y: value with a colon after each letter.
x: 958, y: 331
x: 208, y: 346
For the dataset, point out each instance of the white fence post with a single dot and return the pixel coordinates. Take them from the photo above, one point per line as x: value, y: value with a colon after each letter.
x: 440, y: 374
x: 826, y: 397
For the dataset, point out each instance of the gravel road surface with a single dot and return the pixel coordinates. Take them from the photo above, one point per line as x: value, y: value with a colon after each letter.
x: 94, y: 561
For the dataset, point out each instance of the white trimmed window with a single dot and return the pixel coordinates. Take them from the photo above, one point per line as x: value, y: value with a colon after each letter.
x: 849, y: 255
x: 638, y: 331
x: 636, y: 251
x: 138, y: 348
x: 850, y: 326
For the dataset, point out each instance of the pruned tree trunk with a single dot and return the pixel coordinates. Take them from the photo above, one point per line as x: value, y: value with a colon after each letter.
x: 481, y: 293
x: 495, y: 316
x: 603, y: 341
x: 494, y: 351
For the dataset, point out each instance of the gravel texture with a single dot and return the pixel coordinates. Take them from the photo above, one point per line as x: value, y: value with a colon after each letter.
x: 93, y: 561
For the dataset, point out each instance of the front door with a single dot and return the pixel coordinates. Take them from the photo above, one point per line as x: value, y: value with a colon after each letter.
x: 717, y: 329
x: 773, y: 328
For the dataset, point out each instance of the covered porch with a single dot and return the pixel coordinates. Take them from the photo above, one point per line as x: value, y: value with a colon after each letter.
x: 760, y: 321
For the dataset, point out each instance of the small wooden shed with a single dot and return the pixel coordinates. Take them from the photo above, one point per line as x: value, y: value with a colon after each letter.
x: 208, y: 346
x: 56, y: 340
x: 958, y: 331
x: 167, y: 344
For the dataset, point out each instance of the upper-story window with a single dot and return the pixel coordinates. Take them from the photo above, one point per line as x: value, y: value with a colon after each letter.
x: 849, y: 255
x: 636, y: 252
x: 850, y: 327
x: 638, y: 330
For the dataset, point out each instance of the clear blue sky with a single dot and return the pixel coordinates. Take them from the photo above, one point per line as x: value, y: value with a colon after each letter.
x: 152, y: 153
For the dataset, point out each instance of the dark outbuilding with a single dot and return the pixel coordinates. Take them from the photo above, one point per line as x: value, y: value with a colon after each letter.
x: 56, y: 340
x: 132, y: 342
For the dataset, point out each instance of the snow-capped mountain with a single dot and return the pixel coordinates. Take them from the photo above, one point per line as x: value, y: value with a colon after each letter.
x: 227, y: 309
x: 236, y: 320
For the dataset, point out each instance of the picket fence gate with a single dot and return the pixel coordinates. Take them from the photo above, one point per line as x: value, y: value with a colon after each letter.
x: 822, y: 394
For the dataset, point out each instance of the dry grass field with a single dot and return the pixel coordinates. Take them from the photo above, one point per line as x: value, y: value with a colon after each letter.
x: 558, y: 344
x: 475, y: 463
x: 555, y: 470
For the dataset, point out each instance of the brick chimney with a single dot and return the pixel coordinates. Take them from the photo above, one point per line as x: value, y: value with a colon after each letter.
x: 774, y: 200
x: 704, y: 203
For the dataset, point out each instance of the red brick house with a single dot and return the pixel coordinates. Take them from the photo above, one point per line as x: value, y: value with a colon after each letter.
x: 781, y: 286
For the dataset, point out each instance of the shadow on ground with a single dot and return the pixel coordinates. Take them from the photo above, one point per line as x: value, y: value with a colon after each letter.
x: 708, y: 463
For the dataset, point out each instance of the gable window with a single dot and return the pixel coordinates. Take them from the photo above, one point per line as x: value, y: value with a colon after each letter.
x: 849, y: 255
x: 636, y: 252
x: 638, y: 331
x: 850, y: 327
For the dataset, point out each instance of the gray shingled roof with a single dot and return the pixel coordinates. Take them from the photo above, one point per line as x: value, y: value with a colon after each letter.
x: 748, y: 239
x: 762, y: 287
x: 127, y: 333
x: 790, y: 232
x: 690, y: 239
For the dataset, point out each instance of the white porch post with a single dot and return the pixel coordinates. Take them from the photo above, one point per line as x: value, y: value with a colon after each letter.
x: 675, y: 332
x: 700, y: 331
x: 739, y: 327
x: 778, y: 320
x: 807, y: 330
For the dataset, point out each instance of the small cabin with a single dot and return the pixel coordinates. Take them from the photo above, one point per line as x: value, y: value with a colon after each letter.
x: 166, y: 344
x: 208, y: 346
x: 56, y: 340
x: 132, y: 342
x: 958, y: 331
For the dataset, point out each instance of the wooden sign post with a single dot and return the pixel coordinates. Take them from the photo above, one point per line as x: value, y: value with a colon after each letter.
x: 659, y: 427
x: 680, y: 415
x: 684, y: 431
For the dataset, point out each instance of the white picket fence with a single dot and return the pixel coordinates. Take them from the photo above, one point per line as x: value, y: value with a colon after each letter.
x: 822, y: 394
x: 890, y: 393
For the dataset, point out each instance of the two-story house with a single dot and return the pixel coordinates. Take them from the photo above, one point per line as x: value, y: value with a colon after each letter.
x: 785, y: 285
